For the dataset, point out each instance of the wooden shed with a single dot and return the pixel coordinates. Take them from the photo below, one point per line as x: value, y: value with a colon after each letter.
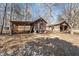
x: 38, y: 25
x: 62, y: 26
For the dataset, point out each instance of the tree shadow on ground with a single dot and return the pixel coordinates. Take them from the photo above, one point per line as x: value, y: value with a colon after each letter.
x: 50, y: 47
x: 45, y: 47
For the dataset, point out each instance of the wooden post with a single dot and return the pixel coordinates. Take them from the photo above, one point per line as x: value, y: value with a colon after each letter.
x: 34, y: 29
x: 63, y: 28
x: 31, y: 26
x: 38, y: 28
x: 10, y: 28
x: 52, y: 28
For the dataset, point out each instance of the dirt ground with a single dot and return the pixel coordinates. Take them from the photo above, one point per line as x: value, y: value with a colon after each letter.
x: 9, y: 43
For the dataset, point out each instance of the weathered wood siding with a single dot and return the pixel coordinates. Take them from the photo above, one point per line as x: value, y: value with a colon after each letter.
x: 39, y: 26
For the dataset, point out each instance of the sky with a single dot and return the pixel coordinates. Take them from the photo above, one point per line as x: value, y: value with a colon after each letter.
x: 57, y: 10
x: 38, y: 8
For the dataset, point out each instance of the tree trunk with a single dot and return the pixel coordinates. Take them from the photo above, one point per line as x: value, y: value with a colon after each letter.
x: 10, y: 28
x: 4, y: 18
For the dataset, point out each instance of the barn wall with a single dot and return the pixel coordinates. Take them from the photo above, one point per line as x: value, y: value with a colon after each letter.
x: 40, y: 26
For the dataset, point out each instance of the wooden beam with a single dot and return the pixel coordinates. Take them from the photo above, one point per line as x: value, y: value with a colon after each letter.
x: 10, y: 28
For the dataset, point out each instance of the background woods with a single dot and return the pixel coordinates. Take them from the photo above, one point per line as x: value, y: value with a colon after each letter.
x: 70, y: 14
x: 52, y: 13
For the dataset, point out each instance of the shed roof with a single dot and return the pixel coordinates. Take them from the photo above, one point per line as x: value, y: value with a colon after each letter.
x: 40, y: 19
x: 24, y: 23
x: 60, y: 23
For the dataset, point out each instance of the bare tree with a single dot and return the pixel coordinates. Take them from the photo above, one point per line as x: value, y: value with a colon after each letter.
x: 71, y: 14
x: 50, y: 7
x: 11, y: 11
x: 4, y: 18
x: 49, y: 11
x: 60, y: 18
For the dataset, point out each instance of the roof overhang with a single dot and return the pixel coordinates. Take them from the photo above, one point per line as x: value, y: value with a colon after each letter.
x: 22, y: 23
